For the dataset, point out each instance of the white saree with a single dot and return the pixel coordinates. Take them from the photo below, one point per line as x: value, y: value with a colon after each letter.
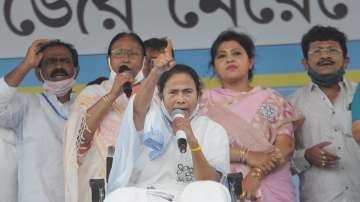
x: 162, y: 167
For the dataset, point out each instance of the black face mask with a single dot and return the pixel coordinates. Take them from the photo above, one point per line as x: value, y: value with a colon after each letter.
x: 326, y: 80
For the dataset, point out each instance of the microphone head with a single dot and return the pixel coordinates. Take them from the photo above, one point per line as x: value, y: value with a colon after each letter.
x: 182, y: 144
x: 124, y: 68
x: 177, y: 113
x: 127, y: 87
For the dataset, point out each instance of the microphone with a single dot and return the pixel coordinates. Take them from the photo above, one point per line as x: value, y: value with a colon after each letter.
x: 127, y: 87
x: 109, y: 160
x: 97, y: 187
x: 180, y: 134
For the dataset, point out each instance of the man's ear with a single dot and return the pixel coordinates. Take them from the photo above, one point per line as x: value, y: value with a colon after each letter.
x: 77, y: 70
x: 346, y: 62
x: 305, y: 64
x: 37, y: 74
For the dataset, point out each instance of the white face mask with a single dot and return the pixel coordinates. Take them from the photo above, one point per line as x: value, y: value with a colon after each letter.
x: 139, y: 77
x: 167, y: 114
x: 112, y: 72
x: 58, y: 88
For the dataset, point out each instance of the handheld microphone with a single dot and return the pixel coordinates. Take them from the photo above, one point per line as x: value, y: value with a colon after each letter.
x: 127, y: 87
x: 109, y: 160
x: 180, y: 134
x: 97, y: 187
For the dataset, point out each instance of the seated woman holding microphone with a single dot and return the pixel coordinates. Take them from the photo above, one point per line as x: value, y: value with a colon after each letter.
x: 148, y: 164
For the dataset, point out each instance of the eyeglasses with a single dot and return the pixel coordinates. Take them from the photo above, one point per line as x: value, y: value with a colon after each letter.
x: 53, y: 61
x: 329, y: 50
x: 122, y: 53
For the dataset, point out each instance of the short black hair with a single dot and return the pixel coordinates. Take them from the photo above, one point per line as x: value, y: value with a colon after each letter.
x: 179, y: 69
x: 243, y: 39
x: 123, y: 35
x: 323, y: 33
x: 70, y: 47
x: 157, y: 44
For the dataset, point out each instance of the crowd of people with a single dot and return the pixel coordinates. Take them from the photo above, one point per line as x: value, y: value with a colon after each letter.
x: 55, y: 142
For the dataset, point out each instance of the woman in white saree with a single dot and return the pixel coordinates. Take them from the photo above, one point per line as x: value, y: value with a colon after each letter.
x: 148, y: 165
x: 96, y: 117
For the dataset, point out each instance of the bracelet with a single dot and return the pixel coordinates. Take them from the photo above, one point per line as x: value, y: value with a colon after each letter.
x: 243, y: 152
x: 279, y: 156
x: 259, y: 171
x: 245, y: 155
x: 196, y: 149
x: 256, y: 173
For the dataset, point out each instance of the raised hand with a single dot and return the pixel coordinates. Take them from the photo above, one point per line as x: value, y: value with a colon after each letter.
x: 164, y: 61
x: 31, y: 60
x: 33, y: 56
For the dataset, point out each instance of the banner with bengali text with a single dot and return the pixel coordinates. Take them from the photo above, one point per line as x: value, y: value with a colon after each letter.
x: 191, y: 24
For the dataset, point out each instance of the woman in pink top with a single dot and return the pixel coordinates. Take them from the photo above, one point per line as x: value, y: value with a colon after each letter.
x: 258, y: 121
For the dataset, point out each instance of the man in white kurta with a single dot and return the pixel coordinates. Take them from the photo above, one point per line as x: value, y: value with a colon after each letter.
x: 38, y: 120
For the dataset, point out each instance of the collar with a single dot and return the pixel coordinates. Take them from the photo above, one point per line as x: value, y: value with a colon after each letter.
x: 344, y: 86
x: 54, y: 99
x: 61, y: 109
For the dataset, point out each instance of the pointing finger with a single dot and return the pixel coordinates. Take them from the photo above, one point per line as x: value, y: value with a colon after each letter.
x: 169, y: 48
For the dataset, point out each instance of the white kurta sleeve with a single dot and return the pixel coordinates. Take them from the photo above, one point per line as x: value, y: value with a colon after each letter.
x: 12, y: 106
x: 215, y: 147
x: 298, y: 163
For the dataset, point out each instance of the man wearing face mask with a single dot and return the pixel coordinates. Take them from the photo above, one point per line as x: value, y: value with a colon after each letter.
x: 97, y: 115
x: 326, y: 156
x: 38, y: 120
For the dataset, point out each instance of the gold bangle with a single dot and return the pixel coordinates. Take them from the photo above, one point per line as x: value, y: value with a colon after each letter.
x: 243, y: 154
x: 198, y: 148
x: 279, y: 156
x: 246, y: 155
x: 239, y: 153
x: 256, y: 174
x: 259, y: 170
